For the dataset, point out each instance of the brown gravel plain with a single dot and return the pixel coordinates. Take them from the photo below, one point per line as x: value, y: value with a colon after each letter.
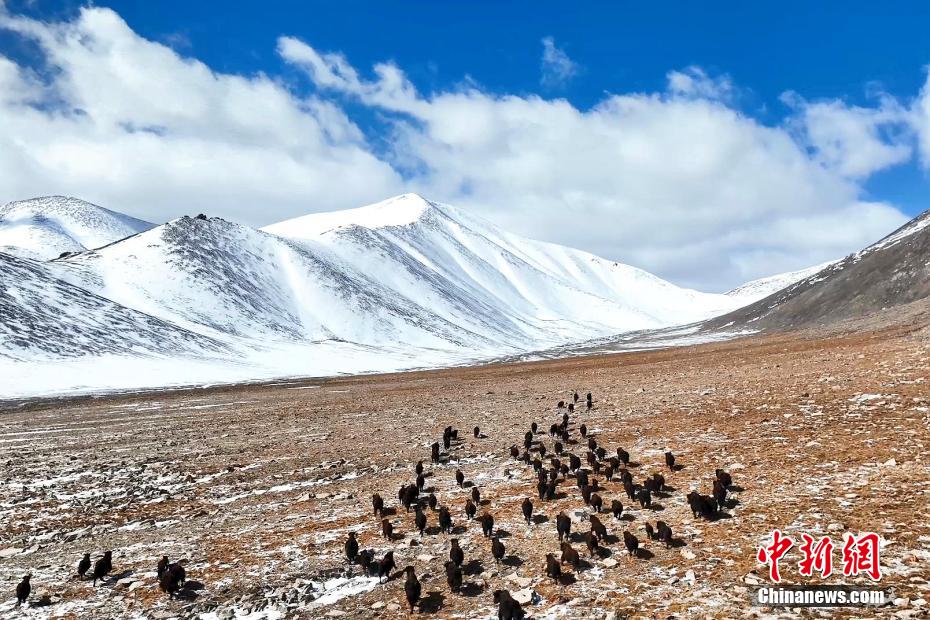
x: 256, y: 486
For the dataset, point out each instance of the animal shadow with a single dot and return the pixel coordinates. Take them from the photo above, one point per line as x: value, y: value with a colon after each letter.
x: 432, y: 602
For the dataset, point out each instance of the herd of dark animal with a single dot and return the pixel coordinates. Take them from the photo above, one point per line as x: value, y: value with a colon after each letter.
x: 563, y: 466
x: 171, y: 576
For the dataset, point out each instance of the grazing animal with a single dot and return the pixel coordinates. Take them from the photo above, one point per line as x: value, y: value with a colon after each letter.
x: 645, y: 498
x: 386, y: 565
x: 575, y: 396
x: 445, y: 520
x: 571, y: 407
x: 432, y: 501
x: 497, y: 549
x: 470, y: 509
x: 172, y: 579
x: 609, y: 473
x: 553, y: 430
x: 725, y: 478
x: 591, y: 541
x: 421, y: 481
x: 581, y: 477
x: 670, y: 460
x: 550, y: 490
x: 584, y: 430
x: 527, y: 507
x: 616, y: 507
x: 542, y: 449
x: 419, y: 468
x: 702, y: 506
x: 597, y: 527
x: 563, y: 525
x: 561, y: 404
x: 103, y: 566
x: 507, y: 607
x: 537, y: 465
x: 659, y: 481
x: 447, y: 439
x: 596, y: 502
x: 351, y: 548
x: 631, y: 543
x: 477, y: 432
x: 664, y: 533
x: 623, y: 455
x: 553, y: 568
x: 455, y: 553
x: 475, y: 495
x: 366, y: 559
x: 410, y: 496
x: 586, y: 494
x: 378, y: 504
x: 83, y: 565
x: 22, y: 590
x: 558, y: 447
x: 459, y: 477
x: 720, y: 492
x: 387, y: 530
x: 574, y: 462
x: 487, y: 524
x: 592, y: 444
x: 163, y: 565
x: 650, y: 532
x: 514, y: 452
x: 625, y: 476
x: 434, y: 452
x: 412, y: 588
x: 570, y: 556
x: 453, y: 576
x: 629, y: 488
x: 533, y: 428
x: 541, y: 488
x: 420, y: 520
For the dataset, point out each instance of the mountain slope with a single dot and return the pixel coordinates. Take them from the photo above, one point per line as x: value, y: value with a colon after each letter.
x: 44, y: 228
x: 891, y: 272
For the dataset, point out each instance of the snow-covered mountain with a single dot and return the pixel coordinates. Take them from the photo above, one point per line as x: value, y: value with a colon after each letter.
x: 399, y: 284
x: 763, y: 287
x: 44, y: 228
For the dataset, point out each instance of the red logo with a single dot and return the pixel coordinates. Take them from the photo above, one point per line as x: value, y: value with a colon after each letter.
x: 860, y: 555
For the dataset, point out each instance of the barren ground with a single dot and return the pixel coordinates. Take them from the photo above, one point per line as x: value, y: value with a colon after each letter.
x: 257, y: 486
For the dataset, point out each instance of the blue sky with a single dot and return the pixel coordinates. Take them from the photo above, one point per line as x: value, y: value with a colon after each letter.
x: 865, y: 66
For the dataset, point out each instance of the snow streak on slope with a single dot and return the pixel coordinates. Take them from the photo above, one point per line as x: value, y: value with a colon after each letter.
x: 763, y: 287
x: 43, y: 228
x: 46, y: 318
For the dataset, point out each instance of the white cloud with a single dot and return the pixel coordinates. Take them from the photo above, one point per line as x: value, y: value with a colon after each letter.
x: 854, y: 141
x: 556, y: 67
x: 677, y: 182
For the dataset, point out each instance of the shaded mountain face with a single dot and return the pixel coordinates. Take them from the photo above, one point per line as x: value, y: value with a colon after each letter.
x: 892, y: 272
x: 44, y: 228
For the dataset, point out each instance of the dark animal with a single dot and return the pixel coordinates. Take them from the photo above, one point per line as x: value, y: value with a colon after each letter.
x: 420, y: 520
x: 366, y: 559
x: 172, y: 579
x: 527, y: 507
x: 571, y: 407
x: 541, y: 489
x: 584, y: 430
x: 497, y: 549
x: 550, y: 490
x: 596, y: 502
x: 563, y: 525
x: 378, y: 504
x: 533, y: 428
x: 455, y: 553
x: 591, y: 541
x: 670, y: 460
x: 470, y: 509
x: 477, y: 432
x: 514, y: 452
x: 575, y: 396
x: 720, y: 492
x: 351, y: 548
x: 574, y: 462
x: 570, y: 556
x: 623, y: 455
x: 445, y: 520
x: 553, y: 430
x: 558, y: 447
x: 597, y: 527
x: 411, y: 493
x: 387, y: 530
x: 664, y: 533
x: 475, y: 495
x: 645, y: 498
x: 609, y: 473
x: 84, y: 565
x: 453, y: 576
x: 581, y: 477
x: 561, y: 404
x: 616, y: 507
x: 459, y: 477
x: 586, y: 494
x: 419, y: 468
x: 702, y: 506
x: 629, y: 488
x: 432, y: 501
x: 487, y: 524
x: 507, y: 608
x: 163, y: 566
x: 103, y: 566
x: 650, y: 532
x: 386, y: 565
x: 434, y: 452
x: 553, y: 568
x: 631, y: 543
x: 22, y: 590
x: 412, y: 588
x: 421, y: 481
x: 725, y: 478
